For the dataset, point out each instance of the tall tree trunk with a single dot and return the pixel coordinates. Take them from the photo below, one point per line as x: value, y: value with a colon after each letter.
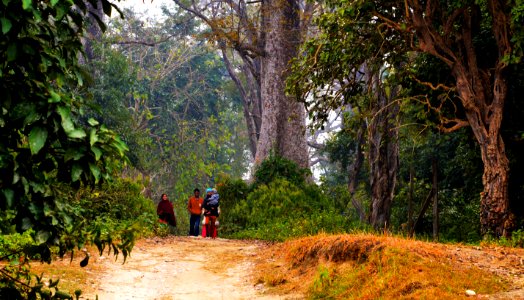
x: 383, y: 159
x: 283, y: 119
x: 495, y: 215
x: 93, y: 29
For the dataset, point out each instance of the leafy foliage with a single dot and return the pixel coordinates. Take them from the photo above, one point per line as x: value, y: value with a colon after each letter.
x: 284, y: 207
x: 169, y: 99
x: 275, y: 167
x: 44, y: 142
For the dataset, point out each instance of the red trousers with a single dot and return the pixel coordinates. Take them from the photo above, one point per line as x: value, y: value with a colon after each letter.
x: 211, y: 229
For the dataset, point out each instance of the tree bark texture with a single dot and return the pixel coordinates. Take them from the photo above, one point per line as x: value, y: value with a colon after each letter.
x: 93, y: 29
x: 283, y: 118
x: 482, y: 89
x: 354, y: 170
x: 383, y: 158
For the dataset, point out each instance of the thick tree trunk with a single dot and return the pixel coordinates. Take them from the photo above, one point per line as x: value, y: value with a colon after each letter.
x: 482, y: 89
x: 383, y: 160
x: 495, y: 214
x: 283, y: 119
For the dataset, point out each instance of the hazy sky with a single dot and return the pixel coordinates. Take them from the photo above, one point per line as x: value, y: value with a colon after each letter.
x: 151, y: 8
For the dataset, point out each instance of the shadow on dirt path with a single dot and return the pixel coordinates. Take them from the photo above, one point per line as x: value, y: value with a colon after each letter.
x: 181, y: 268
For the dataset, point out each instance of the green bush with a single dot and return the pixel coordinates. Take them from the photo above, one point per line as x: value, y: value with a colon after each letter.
x: 232, y: 192
x: 275, y: 167
x: 281, y: 210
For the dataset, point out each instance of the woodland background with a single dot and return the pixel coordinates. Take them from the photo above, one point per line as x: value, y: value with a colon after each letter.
x: 409, y: 113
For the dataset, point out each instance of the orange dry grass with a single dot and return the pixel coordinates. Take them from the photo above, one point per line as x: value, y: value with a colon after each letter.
x: 365, y: 266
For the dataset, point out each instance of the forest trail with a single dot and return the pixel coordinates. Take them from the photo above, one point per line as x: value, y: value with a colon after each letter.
x: 180, y: 268
x: 197, y: 268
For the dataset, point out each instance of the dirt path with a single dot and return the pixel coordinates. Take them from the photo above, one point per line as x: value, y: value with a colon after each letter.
x: 197, y: 268
x: 177, y: 267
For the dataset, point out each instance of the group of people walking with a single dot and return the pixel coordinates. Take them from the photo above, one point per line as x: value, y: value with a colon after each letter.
x: 202, y: 210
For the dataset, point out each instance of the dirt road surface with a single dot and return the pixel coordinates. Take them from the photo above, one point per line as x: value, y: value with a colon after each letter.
x: 181, y: 268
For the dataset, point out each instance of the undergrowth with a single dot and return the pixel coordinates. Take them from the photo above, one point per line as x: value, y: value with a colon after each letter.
x: 278, y: 205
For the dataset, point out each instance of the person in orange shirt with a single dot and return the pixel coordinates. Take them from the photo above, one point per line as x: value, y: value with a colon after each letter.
x: 194, y: 206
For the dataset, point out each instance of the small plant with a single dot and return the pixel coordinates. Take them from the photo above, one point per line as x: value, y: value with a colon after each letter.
x: 321, y: 283
x: 516, y: 239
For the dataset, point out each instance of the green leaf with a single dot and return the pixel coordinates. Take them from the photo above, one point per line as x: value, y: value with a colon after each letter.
x: 92, y: 122
x: 26, y: 4
x: 42, y: 236
x: 120, y: 146
x: 76, y: 171
x: 54, y: 97
x: 95, y: 171
x: 74, y: 153
x: 6, y: 25
x: 97, y: 152
x: 93, y: 137
x: 26, y: 223
x: 53, y: 2
x: 37, y: 139
x: 9, y: 195
x: 78, y: 133
x: 65, y: 114
x: 11, y: 52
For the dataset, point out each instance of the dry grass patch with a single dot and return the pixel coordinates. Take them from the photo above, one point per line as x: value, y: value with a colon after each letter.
x: 71, y: 275
x: 372, y: 267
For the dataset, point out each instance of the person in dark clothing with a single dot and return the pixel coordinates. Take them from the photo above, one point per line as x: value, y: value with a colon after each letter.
x: 165, y: 211
x: 211, y: 212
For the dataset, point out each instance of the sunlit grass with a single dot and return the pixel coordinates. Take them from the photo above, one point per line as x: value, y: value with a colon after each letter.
x: 365, y: 266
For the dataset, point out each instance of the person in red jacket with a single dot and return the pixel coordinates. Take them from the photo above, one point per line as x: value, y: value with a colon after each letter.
x: 194, y: 206
x: 165, y: 211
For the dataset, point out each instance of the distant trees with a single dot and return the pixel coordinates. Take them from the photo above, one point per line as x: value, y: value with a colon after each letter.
x: 170, y: 98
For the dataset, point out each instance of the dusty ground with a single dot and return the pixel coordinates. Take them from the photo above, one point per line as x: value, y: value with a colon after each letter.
x: 196, y: 268
x: 180, y: 268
